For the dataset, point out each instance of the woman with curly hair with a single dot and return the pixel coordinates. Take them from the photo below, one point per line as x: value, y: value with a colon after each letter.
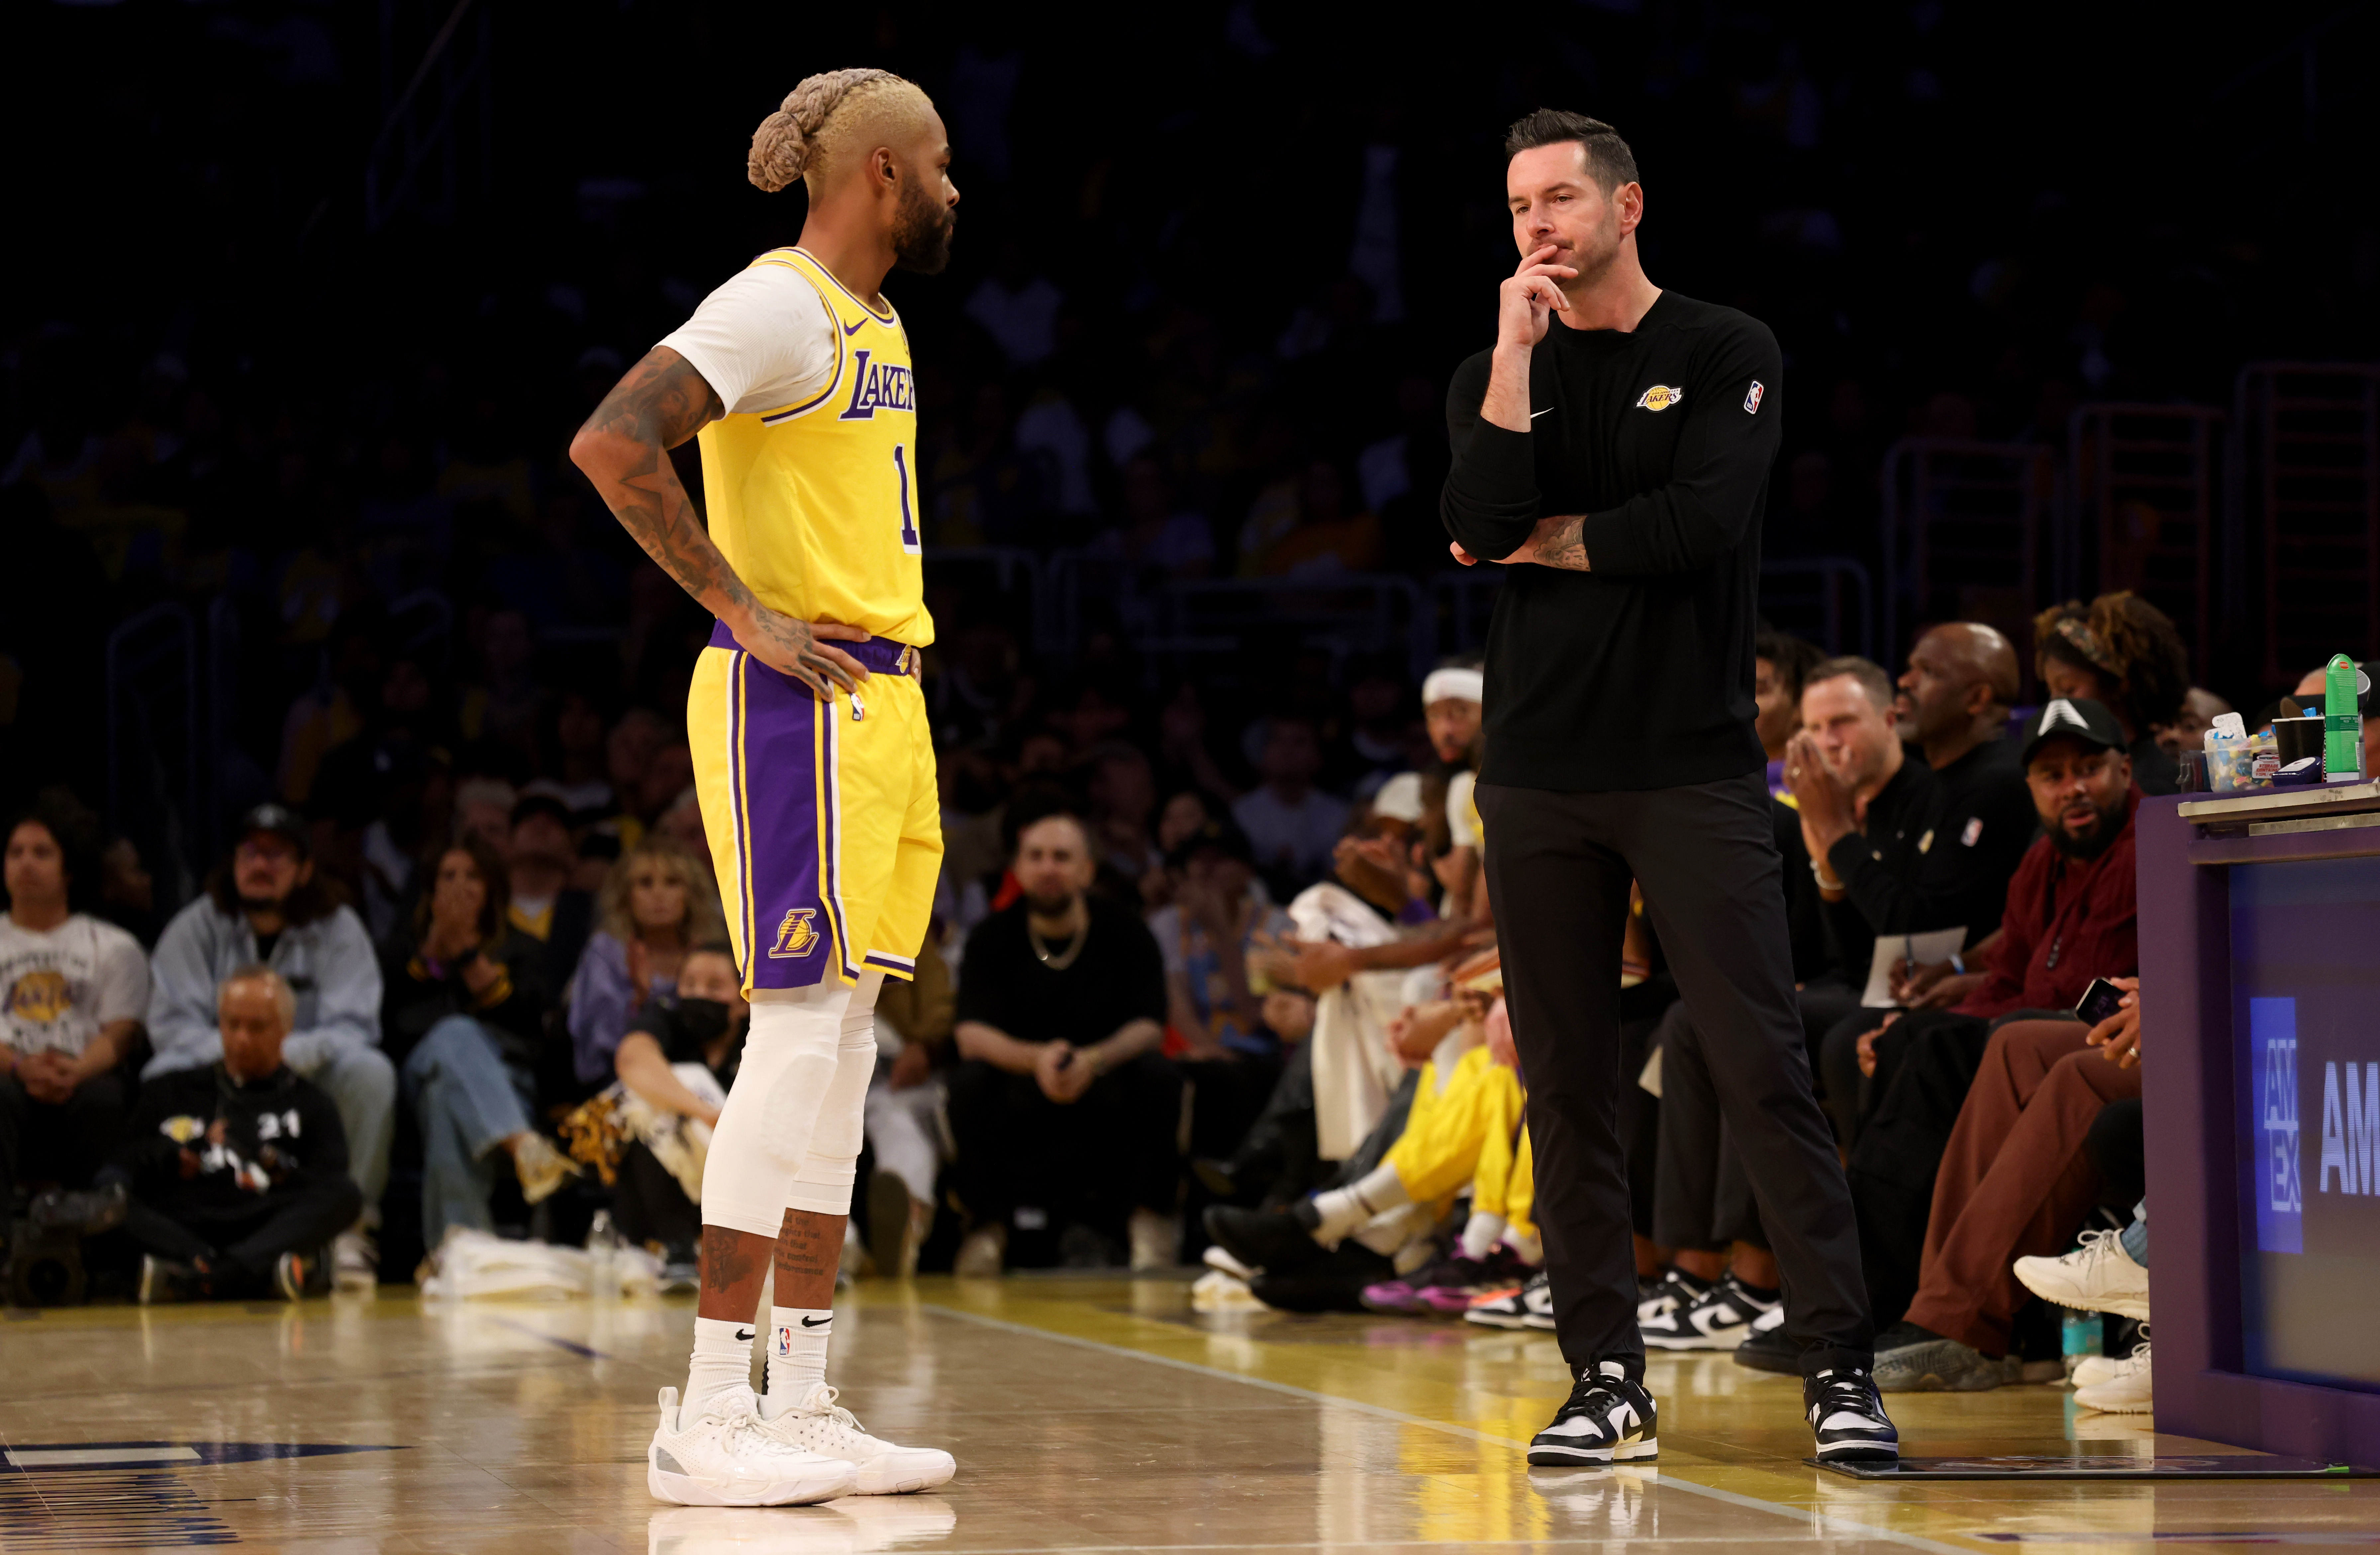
x: 2124, y: 653
x: 657, y: 903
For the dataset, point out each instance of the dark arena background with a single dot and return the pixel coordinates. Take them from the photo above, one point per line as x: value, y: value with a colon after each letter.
x: 2075, y: 301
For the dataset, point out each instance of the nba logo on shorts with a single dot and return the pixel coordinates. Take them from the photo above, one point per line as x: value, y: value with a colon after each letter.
x: 1752, y: 399
x: 794, y: 936
x: 785, y: 1342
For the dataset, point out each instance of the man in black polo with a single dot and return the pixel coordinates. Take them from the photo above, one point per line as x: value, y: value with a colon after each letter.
x: 1613, y: 449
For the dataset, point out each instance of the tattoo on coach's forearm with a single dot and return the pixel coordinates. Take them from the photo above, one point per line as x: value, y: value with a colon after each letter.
x: 728, y: 1259
x: 1557, y: 541
x: 656, y: 407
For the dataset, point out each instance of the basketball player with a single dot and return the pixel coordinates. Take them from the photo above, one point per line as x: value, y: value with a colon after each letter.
x: 813, y: 759
x: 1612, y: 449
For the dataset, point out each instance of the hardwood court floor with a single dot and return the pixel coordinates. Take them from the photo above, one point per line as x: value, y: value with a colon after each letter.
x: 1086, y: 1414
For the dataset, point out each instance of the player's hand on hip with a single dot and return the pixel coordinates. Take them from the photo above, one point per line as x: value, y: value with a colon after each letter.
x: 803, y: 651
x: 1527, y: 300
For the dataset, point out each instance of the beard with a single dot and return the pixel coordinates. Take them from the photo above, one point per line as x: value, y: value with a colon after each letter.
x: 1051, y: 905
x: 921, y: 232
x: 2084, y: 849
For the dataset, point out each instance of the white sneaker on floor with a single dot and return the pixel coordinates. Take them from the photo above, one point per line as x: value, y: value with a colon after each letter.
x: 719, y: 1452
x: 2092, y: 1370
x: 1155, y: 1240
x: 2124, y: 1390
x: 819, y: 1425
x: 2099, y: 1276
x: 354, y: 1263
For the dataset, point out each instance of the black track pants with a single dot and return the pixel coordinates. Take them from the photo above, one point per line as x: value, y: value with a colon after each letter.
x: 1558, y: 872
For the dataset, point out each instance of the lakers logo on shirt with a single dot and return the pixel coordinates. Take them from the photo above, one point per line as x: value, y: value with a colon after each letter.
x: 40, y: 995
x: 878, y: 386
x: 795, y: 936
x: 1660, y: 397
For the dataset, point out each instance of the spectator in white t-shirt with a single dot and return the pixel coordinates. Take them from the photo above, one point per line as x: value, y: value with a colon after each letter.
x: 1290, y: 825
x: 74, y: 990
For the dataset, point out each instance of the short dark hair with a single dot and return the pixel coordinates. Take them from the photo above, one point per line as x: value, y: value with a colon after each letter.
x: 1608, y: 161
x: 1850, y: 666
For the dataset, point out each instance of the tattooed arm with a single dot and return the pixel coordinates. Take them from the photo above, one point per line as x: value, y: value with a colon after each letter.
x: 624, y: 448
x: 1555, y: 543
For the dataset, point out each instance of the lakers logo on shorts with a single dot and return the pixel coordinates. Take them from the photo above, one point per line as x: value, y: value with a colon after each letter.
x: 794, y: 936
x: 40, y: 995
x: 1660, y: 397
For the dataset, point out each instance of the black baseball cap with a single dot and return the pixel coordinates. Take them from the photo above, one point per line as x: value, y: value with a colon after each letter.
x: 283, y: 822
x: 2076, y: 718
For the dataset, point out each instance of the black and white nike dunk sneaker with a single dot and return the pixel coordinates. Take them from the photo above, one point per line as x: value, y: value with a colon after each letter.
x: 1605, y: 1419
x: 1674, y: 1289
x: 1847, y: 1415
x: 1718, y: 1320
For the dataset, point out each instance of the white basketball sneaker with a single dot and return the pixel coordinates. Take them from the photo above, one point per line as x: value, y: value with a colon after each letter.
x: 717, y: 1452
x: 819, y: 1425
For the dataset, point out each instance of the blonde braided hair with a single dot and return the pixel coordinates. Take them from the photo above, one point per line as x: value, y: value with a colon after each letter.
x: 804, y: 137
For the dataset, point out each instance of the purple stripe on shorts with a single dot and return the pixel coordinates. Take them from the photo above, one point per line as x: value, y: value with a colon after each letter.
x: 790, y: 942
x: 880, y: 655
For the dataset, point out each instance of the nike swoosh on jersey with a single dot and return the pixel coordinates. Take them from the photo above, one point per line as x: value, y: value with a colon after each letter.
x: 1535, y: 414
x: 853, y: 327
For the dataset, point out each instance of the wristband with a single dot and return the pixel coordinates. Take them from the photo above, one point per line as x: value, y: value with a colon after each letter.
x: 1826, y: 882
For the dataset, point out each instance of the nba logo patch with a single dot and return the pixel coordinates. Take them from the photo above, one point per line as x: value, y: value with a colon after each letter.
x: 795, y: 937
x: 1751, y: 398
x: 1974, y: 831
x: 784, y: 1343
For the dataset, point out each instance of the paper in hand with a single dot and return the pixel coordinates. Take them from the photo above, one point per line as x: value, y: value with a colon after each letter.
x: 1925, y: 948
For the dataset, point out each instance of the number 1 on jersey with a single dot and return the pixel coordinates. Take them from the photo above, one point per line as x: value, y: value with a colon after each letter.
x: 908, y: 520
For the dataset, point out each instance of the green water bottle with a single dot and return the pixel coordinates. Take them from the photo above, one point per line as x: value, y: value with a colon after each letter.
x: 2342, y: 726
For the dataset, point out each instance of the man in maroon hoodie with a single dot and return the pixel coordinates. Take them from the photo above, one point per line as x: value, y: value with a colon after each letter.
x: 2071, y: 916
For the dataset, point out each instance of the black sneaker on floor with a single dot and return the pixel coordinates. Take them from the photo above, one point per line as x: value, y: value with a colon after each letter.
x: 1675, y: 1287
x: 1276, y: 1241
x: 1847, y: 1416
x: 1720, y: 1318
x: 1605, y: 1419
x: 1767, y: 1349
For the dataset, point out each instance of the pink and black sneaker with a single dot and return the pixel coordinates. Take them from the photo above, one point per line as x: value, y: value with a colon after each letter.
x: 1450, y: 1287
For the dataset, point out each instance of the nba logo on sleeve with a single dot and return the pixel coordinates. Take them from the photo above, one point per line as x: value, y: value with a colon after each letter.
x: 1752, y: 399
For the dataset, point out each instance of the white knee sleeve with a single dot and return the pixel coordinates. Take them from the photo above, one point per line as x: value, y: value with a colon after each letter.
x: 822, y: 1184
x: 790, y: 1064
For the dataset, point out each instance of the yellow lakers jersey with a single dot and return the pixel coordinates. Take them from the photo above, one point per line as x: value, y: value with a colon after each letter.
x: 815, y: 504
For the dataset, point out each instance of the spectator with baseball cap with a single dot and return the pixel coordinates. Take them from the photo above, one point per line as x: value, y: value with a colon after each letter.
x: 267, y: 905
x: 540, y: 856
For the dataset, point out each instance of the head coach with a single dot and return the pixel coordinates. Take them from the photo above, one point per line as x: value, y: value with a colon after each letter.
x: 1612, y: 452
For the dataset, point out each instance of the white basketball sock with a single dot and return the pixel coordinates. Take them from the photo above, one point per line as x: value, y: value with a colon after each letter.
x: 1480, y: 1233
x: 797, y: 1345
x: 722, y: 1357
x: 1344, y: 1210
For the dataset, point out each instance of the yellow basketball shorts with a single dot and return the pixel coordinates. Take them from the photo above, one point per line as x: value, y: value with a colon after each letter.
x: 823, y: 818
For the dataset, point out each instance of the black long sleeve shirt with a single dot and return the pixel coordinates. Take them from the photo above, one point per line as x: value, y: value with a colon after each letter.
x: 1637, y: 674
x: 1938, y: 852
